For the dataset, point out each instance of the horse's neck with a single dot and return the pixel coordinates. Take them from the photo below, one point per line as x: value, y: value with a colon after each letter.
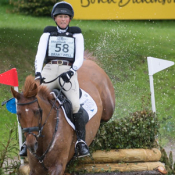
x: 49, y: 118
x: 52, y: 117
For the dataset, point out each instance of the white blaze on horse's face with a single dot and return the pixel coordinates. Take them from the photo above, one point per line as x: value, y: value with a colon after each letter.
x: 27, y: 110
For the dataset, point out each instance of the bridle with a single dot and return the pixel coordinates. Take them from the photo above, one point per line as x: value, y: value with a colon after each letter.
x: 39, y: 129
x: 30, y: 130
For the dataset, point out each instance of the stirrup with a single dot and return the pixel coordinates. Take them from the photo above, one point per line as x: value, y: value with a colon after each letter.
x: 78, y: 151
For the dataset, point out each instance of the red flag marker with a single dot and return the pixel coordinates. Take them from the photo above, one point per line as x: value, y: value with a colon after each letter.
x: 9, y: 77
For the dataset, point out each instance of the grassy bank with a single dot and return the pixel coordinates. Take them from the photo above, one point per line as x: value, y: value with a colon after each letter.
x: 121, y: 47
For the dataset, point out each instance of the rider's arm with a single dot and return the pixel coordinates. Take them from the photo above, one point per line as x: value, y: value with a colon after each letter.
x: 79, y: 52
x: 41, y: 53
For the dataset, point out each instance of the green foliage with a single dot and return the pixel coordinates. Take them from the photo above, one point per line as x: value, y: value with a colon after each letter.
x: 7, y: 162
x: 169, y: 165
x: 34, y: 7
x: 4, y: 2
x: 139, y: 130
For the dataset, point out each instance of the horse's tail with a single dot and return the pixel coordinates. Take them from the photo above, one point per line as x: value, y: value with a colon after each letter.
x: 89, y: 56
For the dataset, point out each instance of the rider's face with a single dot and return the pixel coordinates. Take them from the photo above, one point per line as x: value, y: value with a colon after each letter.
x: 62, y: 21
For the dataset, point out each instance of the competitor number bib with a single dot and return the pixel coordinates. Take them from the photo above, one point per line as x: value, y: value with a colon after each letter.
x: 61, y: 46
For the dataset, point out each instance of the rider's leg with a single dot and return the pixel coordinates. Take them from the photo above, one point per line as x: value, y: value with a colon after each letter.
x: 80, y: 122
x: 71, y: 90
x: 72, y: 94
x: 49, y: 73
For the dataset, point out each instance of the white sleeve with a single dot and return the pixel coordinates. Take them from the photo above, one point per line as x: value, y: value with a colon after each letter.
x: 41, y: 53
x: 79, y: 52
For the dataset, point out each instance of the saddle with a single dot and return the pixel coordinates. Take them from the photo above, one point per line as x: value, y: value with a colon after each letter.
x: 67, y: 105
x: 87, y: 104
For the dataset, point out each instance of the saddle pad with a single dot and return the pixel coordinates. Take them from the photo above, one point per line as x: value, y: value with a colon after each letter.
x: 86, y: 102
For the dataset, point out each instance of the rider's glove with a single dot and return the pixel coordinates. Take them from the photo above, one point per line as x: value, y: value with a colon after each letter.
x: 67, y: 75
x: 38, y: 76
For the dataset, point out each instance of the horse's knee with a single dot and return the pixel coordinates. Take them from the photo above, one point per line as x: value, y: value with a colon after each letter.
x: 38, y: 171
x: 56, y: 170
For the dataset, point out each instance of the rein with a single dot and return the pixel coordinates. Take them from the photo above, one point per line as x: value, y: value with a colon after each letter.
x: 59, y: 80
x: 41, y: 158
x: 40, y: 128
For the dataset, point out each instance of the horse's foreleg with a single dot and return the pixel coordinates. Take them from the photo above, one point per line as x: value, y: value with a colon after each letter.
x: 38, y: 172
x: 56, y: 169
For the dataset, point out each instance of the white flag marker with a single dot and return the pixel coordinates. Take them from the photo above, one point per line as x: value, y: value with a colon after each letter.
x: 156, y: 65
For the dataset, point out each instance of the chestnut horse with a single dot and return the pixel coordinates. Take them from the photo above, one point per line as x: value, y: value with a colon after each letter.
x: 49, y: 138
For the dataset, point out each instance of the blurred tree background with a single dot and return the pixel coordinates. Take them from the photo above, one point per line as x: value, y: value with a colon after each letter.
x: 33, y: 7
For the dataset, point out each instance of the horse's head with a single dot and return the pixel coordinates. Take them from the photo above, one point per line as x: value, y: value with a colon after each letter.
x: 28, y: 112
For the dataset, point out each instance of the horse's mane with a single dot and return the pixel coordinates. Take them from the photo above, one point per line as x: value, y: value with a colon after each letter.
x: 30, y: 87
x: 44, y: 92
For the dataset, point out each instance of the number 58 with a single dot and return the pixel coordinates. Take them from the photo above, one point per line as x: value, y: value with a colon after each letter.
x: 64, y: 48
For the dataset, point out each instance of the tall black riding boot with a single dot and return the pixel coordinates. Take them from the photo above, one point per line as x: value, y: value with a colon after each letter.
x: 80, y: 120
x: 23, y: 152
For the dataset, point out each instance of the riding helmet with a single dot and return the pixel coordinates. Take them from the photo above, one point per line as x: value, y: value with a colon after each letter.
x: 62, y: 8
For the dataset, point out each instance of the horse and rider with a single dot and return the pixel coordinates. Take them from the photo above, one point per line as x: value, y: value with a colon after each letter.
x: 61, y: 54
x: 63, y: 59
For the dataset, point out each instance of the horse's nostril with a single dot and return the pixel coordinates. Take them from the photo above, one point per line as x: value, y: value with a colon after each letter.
x: 33, y: 148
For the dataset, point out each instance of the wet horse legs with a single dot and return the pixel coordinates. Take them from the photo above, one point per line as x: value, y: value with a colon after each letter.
x: 56, y: 170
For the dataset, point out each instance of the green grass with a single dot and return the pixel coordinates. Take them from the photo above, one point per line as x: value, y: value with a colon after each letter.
x: 121, y: 47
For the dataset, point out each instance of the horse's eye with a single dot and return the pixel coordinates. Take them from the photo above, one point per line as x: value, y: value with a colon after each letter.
x: 19, y: 115
x: 36, y: 112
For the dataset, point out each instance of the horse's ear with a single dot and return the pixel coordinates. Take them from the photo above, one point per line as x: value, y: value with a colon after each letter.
x: 30, y: 91
x: 35, y: 89
x: 15, y: 93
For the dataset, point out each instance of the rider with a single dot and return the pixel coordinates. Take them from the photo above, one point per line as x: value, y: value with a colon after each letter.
x: 62, y: 48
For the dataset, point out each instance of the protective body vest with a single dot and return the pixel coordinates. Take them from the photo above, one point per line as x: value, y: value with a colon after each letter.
x: 61, y: 46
